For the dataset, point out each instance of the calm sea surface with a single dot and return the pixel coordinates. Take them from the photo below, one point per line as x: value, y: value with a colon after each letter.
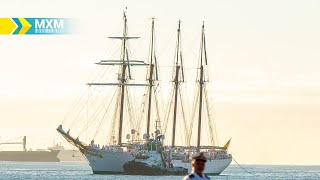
x: 26, y: 170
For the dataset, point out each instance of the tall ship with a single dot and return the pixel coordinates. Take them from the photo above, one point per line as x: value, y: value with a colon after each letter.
x: 28, y: 155
x: 115, y: 154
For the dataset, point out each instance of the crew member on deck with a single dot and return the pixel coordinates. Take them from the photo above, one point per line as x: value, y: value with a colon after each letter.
x: 198, y: 165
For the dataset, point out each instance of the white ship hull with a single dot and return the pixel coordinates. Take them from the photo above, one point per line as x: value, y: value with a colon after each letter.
x: 110, y: 163
x: 213, y: 167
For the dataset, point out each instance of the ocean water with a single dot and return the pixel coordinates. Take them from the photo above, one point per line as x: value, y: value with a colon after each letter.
x: 81, y: 170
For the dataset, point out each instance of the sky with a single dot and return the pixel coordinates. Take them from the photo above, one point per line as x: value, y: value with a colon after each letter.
x: 263, y: 66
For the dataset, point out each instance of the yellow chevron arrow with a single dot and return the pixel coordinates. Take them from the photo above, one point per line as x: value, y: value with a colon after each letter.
x: 25, y: 26
x: 7, y: 26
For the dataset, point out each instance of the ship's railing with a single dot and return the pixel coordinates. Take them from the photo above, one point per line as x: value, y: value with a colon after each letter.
x: 211, y: 152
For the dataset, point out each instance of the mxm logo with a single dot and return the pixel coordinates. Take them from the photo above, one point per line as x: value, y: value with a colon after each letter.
x: 49, y: 26
x: 49, y: 23
x: 35, y: 26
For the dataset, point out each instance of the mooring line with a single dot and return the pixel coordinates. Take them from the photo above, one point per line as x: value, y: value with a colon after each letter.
x: 243, y: 168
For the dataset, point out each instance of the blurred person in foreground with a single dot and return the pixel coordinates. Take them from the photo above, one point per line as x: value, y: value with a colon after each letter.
x: 198, y: 165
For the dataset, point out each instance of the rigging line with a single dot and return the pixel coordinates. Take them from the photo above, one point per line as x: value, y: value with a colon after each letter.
x: 142, y: 109
x: 93, y: 117
x: 129, y: 107
x: 138, y: 46
x: 65, y: 143
x: 117, y: 49
x: 157, y: 106
x: 188, y: 46
x: 205, y: 130
x: 75, y: 120
x: 212, y: 129
x: 156, y: 68
x: 179, y: 55
x: 152, y: 53
x: 178, y: 131
x: 182, y: 67
x: 155, y: 56
x: 205, y: 48
x: 183, y: 116
x: 112, y: 132
x: 166, y: 47
x: 168, y: 111
x: 207, y: 75
x: 74, y: 123
x: 88, y: 112
x: 168, y: 66
x: 173, y: 71
x: 242, y: 167
x: 103, y: 117
x: 115, y: 46
x: 162, y: 105
x: 199, y: 59
x: 213, y: 116
x: 129, y: 71
x: 195, y: 105
x: 75, y: 104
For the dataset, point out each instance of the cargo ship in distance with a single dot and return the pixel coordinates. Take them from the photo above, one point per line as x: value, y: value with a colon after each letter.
x: 28, y: 156
x: 67, y: 155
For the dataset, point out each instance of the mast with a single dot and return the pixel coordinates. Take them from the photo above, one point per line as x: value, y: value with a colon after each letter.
x: 124, y: 64
x: 123, y: 78
x: 176, y: 85
x: 201, y: 82
x: 150, y: 79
